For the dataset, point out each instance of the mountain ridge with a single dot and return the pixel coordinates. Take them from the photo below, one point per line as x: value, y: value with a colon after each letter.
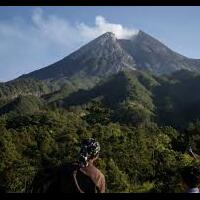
x: 95, y: 53
x: 107, y: 55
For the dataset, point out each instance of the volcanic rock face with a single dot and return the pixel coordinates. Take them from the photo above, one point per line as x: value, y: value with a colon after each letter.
x: 152, y: 55
x: 107, y: 55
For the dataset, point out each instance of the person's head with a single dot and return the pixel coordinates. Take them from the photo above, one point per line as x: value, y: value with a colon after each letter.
x: 89, y: 152
x: 191, y: 176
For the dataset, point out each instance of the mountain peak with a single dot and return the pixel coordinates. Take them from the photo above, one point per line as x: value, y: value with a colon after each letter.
x: 145, y: 36
x: 107, y: 55
x: 143, y: 33
x: 108, y: 36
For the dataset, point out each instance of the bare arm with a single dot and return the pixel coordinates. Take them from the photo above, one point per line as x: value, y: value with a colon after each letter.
x: 102, y: 184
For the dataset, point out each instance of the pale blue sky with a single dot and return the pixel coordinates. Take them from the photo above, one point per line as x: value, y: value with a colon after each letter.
x: 33, y: 37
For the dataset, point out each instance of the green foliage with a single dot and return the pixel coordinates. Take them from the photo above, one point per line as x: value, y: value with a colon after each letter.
x: 132, y: 113
x: 118, y: 181
x: 13, y: 88
x: 133, y: 116
x: 193, y: 134
x: 23, y: 105
x: 177, y: 99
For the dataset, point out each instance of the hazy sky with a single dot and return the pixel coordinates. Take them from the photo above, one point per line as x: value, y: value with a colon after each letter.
x: 34, y: 37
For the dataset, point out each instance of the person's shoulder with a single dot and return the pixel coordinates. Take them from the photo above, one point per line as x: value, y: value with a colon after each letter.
x: 99, y: 173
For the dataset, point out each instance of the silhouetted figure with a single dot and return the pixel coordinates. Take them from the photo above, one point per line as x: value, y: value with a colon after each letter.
x: 191, y: 178
x: 78, y: 177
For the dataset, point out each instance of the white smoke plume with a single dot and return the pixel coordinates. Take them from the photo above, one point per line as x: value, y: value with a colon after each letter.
x: 102, y: 26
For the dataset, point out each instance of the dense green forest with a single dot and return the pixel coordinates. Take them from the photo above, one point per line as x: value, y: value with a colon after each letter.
x: 144, y: 124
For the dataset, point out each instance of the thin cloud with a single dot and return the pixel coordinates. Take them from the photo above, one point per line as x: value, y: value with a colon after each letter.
x: 44, y: 39
x: 55, y: 29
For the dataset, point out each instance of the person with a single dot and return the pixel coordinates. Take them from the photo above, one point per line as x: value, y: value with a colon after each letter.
x: 196, y: 156
x: 191, y: 178
x: 191, y: 174
x: 82, y: 176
